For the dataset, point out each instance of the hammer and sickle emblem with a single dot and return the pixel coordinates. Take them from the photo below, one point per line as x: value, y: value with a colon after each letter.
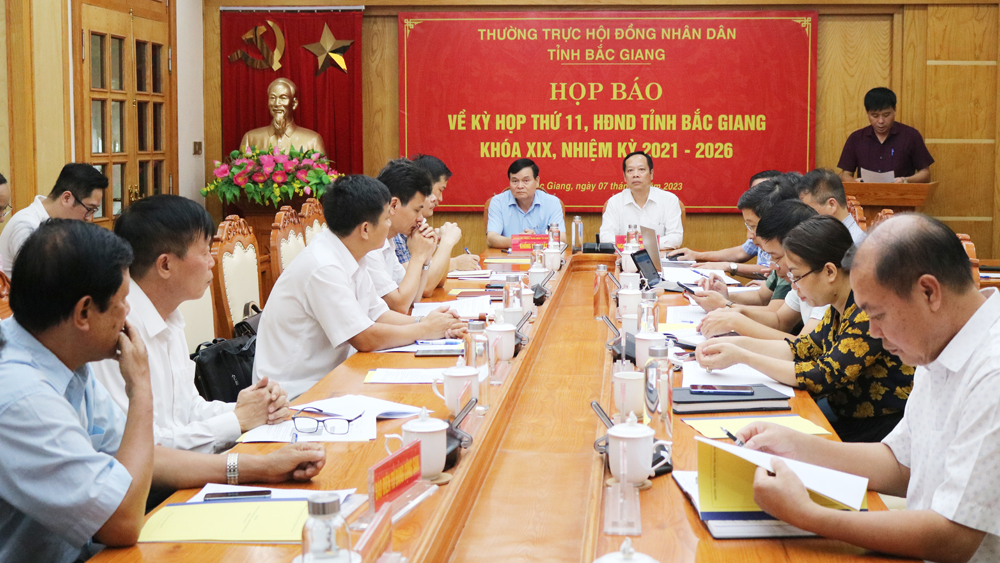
x: 269, y: 59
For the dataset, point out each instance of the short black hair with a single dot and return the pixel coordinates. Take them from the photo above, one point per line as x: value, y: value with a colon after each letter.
x: 649, y: 159
x: 818, y: 241
x: 929, y: 247
x: 405, y: 180
x: 62, y: 262
x: 352, y: 200
x: 162, y: 224
x: 766, y: 194
x: 878, y: 99
x: 520, y: 164
x: 822, y: 184
x: 782, y: 218
x: 80, y: 180
x: 434, y: 166
x: 764, y: 175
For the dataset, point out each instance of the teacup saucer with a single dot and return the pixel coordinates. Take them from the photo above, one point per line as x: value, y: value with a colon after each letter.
x: 644, y: 486
x: 442, y: 479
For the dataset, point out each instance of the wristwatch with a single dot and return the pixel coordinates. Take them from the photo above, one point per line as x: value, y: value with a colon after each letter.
x: 233, y: 469
x: 729, y: 304
x: 732, y: 267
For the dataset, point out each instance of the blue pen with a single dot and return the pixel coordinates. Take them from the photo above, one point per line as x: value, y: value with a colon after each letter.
x: 295, y: 437
x: 732, y: 437
x: 467, y: 250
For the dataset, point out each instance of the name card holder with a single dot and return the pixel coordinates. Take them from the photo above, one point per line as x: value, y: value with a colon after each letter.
x: 395, y: 482
x: 377, y: 539
x: 524, y: 242
x: 620, y: 242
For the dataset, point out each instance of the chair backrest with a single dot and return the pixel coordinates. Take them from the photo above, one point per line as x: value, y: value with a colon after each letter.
x: 5, y: 311
x: 312, y: 218
x: 970, y: 249
x: 199, y: 321
x: 857, y: 212
x: 288, y: 238
x: 882, y: 216
x: 236, y: 276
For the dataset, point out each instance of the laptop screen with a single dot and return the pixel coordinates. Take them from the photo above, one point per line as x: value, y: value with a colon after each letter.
x: 646, y: 269
x: 649, y: 242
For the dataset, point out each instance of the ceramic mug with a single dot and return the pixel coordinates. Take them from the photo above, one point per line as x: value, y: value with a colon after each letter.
x: 628, y: 301
x: 630, y: 280
x: 630, y: 323
x: 643, y: 342
x: 455, y: 380
x: 628, y: 391
x: 633, y: 443
x: 553, y: 259
x: 505, y: 333
x: 433, y: 436
x: 536, y: 275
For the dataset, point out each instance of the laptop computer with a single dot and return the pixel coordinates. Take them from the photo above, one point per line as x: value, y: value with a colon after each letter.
x: 651, y: 243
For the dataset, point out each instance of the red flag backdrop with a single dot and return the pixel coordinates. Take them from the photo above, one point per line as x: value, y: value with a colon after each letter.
x: 329, y: 103
x: 714, y: 97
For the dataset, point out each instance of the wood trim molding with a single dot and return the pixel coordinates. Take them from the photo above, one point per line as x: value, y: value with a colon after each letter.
x: 20, y: 91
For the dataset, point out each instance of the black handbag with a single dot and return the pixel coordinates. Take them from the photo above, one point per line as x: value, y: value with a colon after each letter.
x: 223, y: 368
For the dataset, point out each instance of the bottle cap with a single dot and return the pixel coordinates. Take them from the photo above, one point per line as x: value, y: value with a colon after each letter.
x: 659, y: 351
x: 323, y: 504
x: 577, y: 218
x: 649, y: 294
x: 602, y: 267
x: 514, y: 278
x: 477, y: 326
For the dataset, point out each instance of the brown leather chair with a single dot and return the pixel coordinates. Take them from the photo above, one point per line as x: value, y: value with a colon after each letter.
x: 288, y: 238
x: 970, y: 249
x: 236, y: 274
x: 312, y: 218
x: 882, y: 216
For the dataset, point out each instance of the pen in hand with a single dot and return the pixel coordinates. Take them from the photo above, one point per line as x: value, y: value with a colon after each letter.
x: 733, y: 437
x: 467, y: 250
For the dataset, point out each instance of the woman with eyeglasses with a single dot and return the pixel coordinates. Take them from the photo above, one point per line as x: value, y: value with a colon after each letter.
x: 866, y: 386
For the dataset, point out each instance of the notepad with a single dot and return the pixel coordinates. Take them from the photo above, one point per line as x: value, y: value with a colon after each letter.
x: 276, y: 521
x: 712, y: 427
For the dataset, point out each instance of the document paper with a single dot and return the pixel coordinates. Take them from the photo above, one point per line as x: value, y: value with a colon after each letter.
x: 712, y: 427
x: 273, y: 521
x: 740, y: 374
x: 469, y: 308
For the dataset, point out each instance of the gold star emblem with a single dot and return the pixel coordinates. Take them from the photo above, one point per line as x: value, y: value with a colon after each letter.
x: 329, y: 51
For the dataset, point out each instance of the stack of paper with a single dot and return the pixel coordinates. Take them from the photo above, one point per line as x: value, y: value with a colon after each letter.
x: 469, y: 274
x: 444, y: 343
x: 411, y: 375
x: 740, y: 374
x: 470, y: 308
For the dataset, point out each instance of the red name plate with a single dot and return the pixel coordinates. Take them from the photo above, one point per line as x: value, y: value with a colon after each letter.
x: 620, y: 242
x: 525, y: 242
x: 377, y: 539
x: 388, y: 478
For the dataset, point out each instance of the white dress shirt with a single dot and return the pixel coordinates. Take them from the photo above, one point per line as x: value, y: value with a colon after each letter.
x: 322, y: 300
x: 662, y: 213
x: 857, y: 235
x: 182, y: 418
x: 18, y: 229
x: 807, y: 311
x: 384, y: 268
x: 950, y: 433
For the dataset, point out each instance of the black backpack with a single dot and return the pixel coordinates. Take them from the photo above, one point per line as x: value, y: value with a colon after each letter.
x: 223, y: 367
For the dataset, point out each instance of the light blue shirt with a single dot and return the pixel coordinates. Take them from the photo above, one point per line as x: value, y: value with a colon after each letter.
x: 763, y: 258
x: 507, y: 218
x: 59, y: 431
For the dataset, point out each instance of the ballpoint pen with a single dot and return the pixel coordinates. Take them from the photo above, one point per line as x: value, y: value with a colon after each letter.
x: 733, y: 437
x: 467, y: 250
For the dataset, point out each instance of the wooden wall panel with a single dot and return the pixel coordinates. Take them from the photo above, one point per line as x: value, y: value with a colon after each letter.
x: 22, y: 174
x: 911, y: 100
x: 854, y: 55
x: 965, y: 180
x: 964, y: 102
x: 962, y: 33
x: 380, y: 91
x: 4, y: 99
x: 981, y: 233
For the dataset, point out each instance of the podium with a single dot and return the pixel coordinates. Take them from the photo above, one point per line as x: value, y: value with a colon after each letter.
x: 899, y: 197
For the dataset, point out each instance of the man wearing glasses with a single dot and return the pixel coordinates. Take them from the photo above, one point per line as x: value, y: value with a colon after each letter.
x: 77, y: 195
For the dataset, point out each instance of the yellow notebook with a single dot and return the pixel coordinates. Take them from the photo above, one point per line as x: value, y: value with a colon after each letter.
x: 712, y: 427
x: 276, y: 521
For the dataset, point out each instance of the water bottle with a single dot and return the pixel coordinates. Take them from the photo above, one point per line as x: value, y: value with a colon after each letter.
x: 632, y: 236
x: 664, y: 380
x: 602, y: 295
x: 554, y: 236
x: 538, y: 256
x: 576, y: 235
x: 477, y: 347
x: 649, y: 312
x: 324, y: 535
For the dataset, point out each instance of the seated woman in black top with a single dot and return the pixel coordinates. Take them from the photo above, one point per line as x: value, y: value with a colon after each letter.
x: 867, y: 387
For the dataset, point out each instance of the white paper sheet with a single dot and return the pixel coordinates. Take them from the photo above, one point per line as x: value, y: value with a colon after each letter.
x: 361, y: 430
x: 870, y: 177
x: 740, y: 374
x: 468, y: 308
x: 427, y: 345
x: 411, y: 375
x: 690, y: 314
x: 470, y: 274
x: 743, y: 289
x: 347, y: 404
x: 835, y: 485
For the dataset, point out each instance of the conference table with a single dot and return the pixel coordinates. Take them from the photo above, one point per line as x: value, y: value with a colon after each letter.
x: 531, y: 486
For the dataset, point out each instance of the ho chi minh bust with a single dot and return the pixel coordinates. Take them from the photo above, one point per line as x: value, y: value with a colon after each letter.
x: 282, y: 133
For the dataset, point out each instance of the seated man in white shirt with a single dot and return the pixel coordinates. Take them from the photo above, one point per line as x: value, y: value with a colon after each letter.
x: 77, y: 195
x: 765, y: 322
x: 171, y: 239
x: 912, y: 277
x: 75, y: 471
x: 642, y: 204
x: 823, y: 190
x: 397, y: 284
x: 324, y: 306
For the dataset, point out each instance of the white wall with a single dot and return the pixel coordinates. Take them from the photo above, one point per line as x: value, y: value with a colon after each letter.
x: 190, y: 99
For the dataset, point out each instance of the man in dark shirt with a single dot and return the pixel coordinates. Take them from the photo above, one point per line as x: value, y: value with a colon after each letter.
x: 885, y: 145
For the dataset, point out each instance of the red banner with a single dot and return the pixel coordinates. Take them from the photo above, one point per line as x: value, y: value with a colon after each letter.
x: 713, y: 97
x: 254, y: 43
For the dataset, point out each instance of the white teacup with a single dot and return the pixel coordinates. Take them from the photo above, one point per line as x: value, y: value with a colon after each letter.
x: 553, y: 259
x: 455, y: 380
x: 433, y: 436
x: 628, y: 391
x: 630, y: 280
x: 628, y: 301
x: 634, y: 443
x: 505, y: 333
x: 643, y: 341
x: 536, y: 275
x: 512, y: 315
x: 630, y: 323
x: 527, y: 301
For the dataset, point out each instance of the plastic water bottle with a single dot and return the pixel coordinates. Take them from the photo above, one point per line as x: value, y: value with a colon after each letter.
x: 324, y: 535
x: 602, y: 294
x: 577, y: 234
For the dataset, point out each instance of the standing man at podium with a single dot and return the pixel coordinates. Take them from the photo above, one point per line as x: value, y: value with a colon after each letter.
x: 885, y: 145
